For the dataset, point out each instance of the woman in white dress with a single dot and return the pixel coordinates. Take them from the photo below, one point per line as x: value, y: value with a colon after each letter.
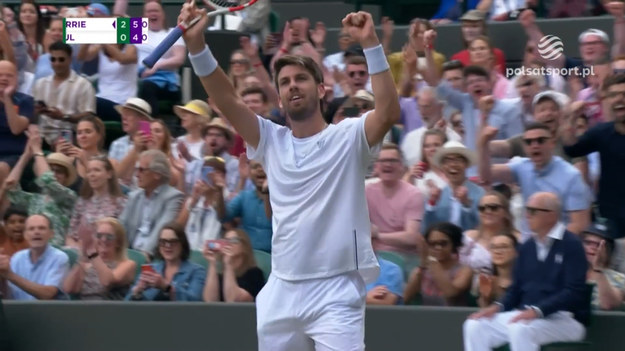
x: 425, y: 174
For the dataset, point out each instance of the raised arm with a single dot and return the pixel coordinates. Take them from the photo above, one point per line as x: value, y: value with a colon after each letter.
x: 17, y: 123
x: 215, y: 81
x: 491, y: 173
x: 361, y: 28
x: 617, y: 10
x: 528, y: 21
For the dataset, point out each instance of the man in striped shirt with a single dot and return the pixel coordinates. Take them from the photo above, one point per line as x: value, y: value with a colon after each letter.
x: 62, y: 99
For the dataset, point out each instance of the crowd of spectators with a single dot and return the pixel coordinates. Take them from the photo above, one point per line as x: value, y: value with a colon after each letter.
x: 455, y: 191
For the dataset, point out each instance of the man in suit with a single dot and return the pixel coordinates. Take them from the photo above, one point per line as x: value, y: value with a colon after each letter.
x: 154, y: 205
x: 548, y: 300
x: 457, y: 202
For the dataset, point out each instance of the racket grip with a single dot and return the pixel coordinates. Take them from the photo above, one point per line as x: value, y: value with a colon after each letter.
x: 162, y: 48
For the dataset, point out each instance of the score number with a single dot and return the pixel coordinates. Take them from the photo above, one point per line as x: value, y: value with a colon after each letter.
x: 132, y: 30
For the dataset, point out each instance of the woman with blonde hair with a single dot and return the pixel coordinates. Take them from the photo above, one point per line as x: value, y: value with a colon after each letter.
x: 239, y: 69
x: 495, y: 218
x: 100, y: 196
x: 103, y: 272
x: 241, y: 280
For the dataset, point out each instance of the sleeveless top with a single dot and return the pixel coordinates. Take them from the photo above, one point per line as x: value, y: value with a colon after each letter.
x: 431, y: 294
x: 92, y: 289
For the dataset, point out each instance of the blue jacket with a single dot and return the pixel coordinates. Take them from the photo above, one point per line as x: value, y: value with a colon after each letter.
x: 188, y: 283
x: 441, y: 212
x: 557, y: 284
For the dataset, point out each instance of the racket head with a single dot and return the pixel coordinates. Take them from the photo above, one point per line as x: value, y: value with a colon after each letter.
x: 230, y: 5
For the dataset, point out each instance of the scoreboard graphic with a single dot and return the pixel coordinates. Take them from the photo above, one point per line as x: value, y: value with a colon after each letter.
x: 121, y: 30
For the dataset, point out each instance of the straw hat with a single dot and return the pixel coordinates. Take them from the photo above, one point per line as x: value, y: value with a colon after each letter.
x: 455, y: 148
x: 59, y: 159
x: 364, y: 96
x: 197, y: 107
x: 220, y: 124
x: 138, y: 105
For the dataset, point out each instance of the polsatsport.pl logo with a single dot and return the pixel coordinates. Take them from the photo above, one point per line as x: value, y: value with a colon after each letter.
x: 550, y: 47
x: 581, y: 72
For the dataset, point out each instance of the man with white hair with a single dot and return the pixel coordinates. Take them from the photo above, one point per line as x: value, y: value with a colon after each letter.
x: 431, y: 109
x: 152, y: 206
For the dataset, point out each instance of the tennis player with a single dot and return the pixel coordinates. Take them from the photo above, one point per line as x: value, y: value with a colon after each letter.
x: 321, y: 247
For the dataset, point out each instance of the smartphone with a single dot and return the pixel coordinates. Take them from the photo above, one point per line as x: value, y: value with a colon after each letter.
x: 206, y: 174
x: 351, y: 111
x: 147, y: 268
x: 67, y: 135
x: 215, y: 245
x: 144, y: 126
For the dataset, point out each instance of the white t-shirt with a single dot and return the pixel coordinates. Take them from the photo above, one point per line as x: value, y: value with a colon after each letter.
x: 155, y: 38
x: 321, y: 225
x: 195, y: 149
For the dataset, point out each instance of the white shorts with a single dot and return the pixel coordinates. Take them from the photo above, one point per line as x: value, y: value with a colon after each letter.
x: 317, y: 314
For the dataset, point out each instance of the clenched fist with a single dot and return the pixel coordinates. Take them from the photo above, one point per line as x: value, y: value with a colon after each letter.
x: 360, y: 26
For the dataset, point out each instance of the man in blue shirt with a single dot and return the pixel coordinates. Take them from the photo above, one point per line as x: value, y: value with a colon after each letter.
x: 15, y: 117
x: 541, y: 171
x: 251, y: 206
x: 548, y: 300
x: 38, y: 272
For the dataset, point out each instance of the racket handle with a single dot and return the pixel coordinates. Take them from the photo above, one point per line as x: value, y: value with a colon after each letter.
x: 162, y: 48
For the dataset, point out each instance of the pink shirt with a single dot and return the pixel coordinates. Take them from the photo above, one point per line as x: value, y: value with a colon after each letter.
x: 390, y: 214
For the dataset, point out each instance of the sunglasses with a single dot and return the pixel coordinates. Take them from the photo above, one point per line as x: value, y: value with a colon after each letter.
x: 105, y: 236
x: 454, y: 160
x: 456, y: 123
x: 440, y: 243
x: 168, y: 242
x: 60, y: 59
x: 352, y: 74
x: 539, y: 140
x: 532, y: 210
x: 591, y: 243
x: 490, y: 207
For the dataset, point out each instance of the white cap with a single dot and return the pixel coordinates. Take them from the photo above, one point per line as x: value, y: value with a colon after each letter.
x: 559, y: 98
x: 592, y: 31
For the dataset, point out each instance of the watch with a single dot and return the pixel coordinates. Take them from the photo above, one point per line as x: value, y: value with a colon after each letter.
x: 167, y: 289
x: 92, y: 256
x: 66, y: 118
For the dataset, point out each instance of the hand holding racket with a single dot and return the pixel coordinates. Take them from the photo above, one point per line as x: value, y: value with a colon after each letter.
x: 190, y: 16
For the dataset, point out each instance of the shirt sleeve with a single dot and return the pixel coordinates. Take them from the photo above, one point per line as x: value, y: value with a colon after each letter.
x: 454, y: 97
x: 415, y: 208
x: 586, y: 144
x: 234, y: 208
x: 86, y: 100
x: 26, y: 108
x: 362, y: 145
x: 266, y: 130
x: 516, y: 168
x: 57, y: 271
x: 578, y: 197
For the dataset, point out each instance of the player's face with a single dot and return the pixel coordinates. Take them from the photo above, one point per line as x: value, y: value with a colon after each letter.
x: 299, y: 93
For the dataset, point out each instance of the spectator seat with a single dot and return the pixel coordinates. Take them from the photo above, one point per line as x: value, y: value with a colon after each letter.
x: 197, y: 258
x: 139, y: 259
x: 72, y: 254
x: 263, y: 261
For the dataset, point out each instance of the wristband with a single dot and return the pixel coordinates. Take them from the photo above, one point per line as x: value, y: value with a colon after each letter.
x: 204, y: 63
x: 257, y: 64
x: 376, y: 60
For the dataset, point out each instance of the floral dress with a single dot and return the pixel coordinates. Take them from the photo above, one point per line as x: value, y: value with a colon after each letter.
x: 55, y: 201
x: 88, y: 211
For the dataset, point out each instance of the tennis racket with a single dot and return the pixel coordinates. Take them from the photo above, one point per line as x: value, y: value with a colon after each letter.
x: 221, y: 7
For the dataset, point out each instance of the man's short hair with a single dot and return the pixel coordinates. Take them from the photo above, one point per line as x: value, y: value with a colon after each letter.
x: 159, y: 163
x: 452, y: 65
x: 356, y: 60
x: 44, y: 216
x: 255, y: 90
x: 475, y: 71
x: 305, y: 62
x: 614, y: 79
x: 393, y: 146
x: 537, y: 125
x: 61, y: 46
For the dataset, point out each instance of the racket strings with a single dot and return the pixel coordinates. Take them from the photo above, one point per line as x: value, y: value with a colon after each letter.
x: 224, y: 3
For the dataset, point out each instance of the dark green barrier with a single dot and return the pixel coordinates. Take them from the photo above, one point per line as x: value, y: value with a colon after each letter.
x: 123, y: 326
